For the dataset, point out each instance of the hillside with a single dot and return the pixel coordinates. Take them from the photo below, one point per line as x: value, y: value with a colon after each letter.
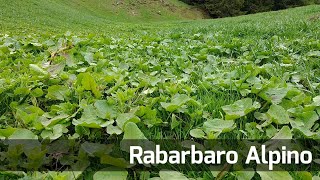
x: 55, y: 14
x: 81, y: 82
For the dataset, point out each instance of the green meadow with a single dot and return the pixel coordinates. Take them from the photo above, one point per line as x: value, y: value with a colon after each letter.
x: 108, y: 71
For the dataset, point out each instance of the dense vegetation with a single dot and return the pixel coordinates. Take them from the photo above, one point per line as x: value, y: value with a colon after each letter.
x: 248, y: 77
x: 224, y: 8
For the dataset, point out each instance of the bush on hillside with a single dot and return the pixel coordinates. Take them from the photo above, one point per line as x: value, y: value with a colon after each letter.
x: 224, y: 8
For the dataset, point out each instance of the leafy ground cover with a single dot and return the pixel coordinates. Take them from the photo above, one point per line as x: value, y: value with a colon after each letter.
x: 250, y: 77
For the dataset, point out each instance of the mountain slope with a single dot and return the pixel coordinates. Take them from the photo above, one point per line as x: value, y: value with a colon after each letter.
x: 90, y: 13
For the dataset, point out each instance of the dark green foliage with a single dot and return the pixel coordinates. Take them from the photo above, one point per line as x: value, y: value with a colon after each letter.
x: 224, y: 8
x: 255, y: 6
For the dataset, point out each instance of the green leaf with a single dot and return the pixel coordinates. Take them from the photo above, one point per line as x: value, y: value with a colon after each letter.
x: 177, y: 101
x: 131, y: 131
x: 134, y: 137
x: 278, y: 114
x: 316, y: 101
x: 124, y: 118
x: 56, y: 69
x: 308, y: 119
x: 171, y: 175
x: 315, y: 178
x: 53, y: 121
x: 20, y: 136
x: 271, y: 175
x: 117, y: 162
x: 246, y: 174
x: 90, y: 119
x: 304, y: 175
x: 240, y: 108
x: 284, y: 133
x: 218, y: 125
x: 21, y: 91
x: 197, y: 133
x: 148, y: 116
x: 7, y: 132
x: 104, y: 110
x: 261, y: 116
x: 23, y: 134
x: 89, y: 84
x: 155, y: 178
x: 95, y: 149
x: 38, y: 69
x: 111, y: 173
x: 274, y: 95
x: 114, y: 130
x: 56, y: 132
x: 37, y: 92
x: 174, y: 123
x: 57, y: 92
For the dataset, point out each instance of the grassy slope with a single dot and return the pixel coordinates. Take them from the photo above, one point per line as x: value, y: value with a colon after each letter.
x: 297, y: 29
x: 94, y: 15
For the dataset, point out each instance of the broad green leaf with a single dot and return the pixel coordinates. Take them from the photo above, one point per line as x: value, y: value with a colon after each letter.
x: 38, y: 69
x: 104, y: 110
x: 177, y: 101
x: 315, y: 178
x: 90, y: 119
x: 57, y: 92
x: 53, y: 121
x: 117, y: 162
x: 37, y: 92
x: 56, y: 69
x: 284, y: 133
x: 304, y: 175
x: 278, y: 114
x: 88, y: 56
x: 240, y: 108
x: 7, y: 132
x: 271, y: 131
x: 316, y: 101
x: 148, y: 116
x: 114, y: 130
x: 134, y: 137
x: 111, y: 173
x: 272, y: 175
x: 89, y: 84
x: 23, y: 134
x: 26, y: 138
x: 261, y: 116
x: 65, y: 175
x: 274, y: 95
x: 197, y: 133
x: 131, y: 131
x: 21, y: 91
x: 218, y: 125
x: 171, y: 175
x: 56, y: 132
x: 308, y: 119
x: 246, y: 174
x: 95, y: 149
x: 124, y: 118
x: 306, y: 132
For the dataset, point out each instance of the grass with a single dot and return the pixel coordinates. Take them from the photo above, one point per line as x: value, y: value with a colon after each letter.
x: 136, y: 67
x: 89, y: 16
